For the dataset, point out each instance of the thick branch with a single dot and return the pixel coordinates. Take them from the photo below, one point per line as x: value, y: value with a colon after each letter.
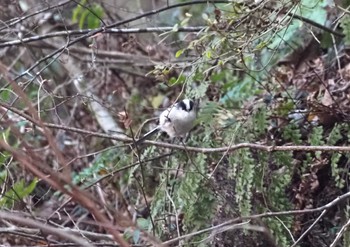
x: 128, y: 140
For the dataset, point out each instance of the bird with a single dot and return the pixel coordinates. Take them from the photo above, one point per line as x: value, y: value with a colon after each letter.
x: 175, y: 121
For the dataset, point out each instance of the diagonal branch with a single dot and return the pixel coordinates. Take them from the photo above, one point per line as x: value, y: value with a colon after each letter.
x: 340, y: 234
x: 263, y: 215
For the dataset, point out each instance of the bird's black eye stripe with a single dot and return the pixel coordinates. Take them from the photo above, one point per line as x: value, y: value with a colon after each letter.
x: 181, y: 105
x: 186, y: 107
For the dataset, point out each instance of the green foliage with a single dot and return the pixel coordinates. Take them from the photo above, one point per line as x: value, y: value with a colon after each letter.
x: 338, y: 172
x: 236, y: 64
x: 88, y: 173
x: 102, y: 164
x: 232, y: 73
x: 199, y: 211
x: 19, y: 189
x: 290, y: 36
x: 306, y: 163
x: 190, y: 195
x: 17, y: 192
x: 254, y: 174
x: 280, y: 179
x: 179, y: 53
x: 240, y: 89
x: 278, y: 229
x: 316, y: 137
x: 260, y: 121
x: 195, y: 199
x: 4, y: 135
x: 246, y: 168
x: 134, y: 234
x: 276, y: 197
x: 334, y: 136
x: 345, y: 25
x: 292, y: 132
x: 5, y: 94
x: 88, y: 17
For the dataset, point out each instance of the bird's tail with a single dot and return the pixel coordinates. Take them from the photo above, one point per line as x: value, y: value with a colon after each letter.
x: 147, y: 135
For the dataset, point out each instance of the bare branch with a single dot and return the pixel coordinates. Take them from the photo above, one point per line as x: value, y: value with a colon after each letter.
x: 309, y: 228
x: 44, y: 227
x: 111, y: 30
x: 129, y: 141
x: 340, y: 234
x: 103, y: 29
x: 20, y: 19
x: 264, y: 215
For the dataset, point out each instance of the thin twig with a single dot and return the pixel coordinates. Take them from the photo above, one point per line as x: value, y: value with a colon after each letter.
x: 113, y: 25
x: 112, y: 30
x: 264, y: 215
x: 21, y: 19
x: 44, y: 227
x: 340, y: 233
x: 309, y: 228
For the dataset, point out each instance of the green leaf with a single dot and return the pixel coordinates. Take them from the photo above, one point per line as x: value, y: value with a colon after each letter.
x: 85, y: 17
x: 292, y: 132
x: 208, y: 54
x: 5, y: 95
x: 176, y: 28
x: 17, y: 192
x: 4, y: 135
x: 157, y: 101
x: 143, y: 223
x: 179, y: 53
x: 136, y: 236
x: 334, y: 136
x: 93, y: 20
x: 345, y: 25
x: 77, y: 11
x: 316, y: 137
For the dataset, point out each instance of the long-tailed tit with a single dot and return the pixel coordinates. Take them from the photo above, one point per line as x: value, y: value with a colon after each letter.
x: 176, y: 121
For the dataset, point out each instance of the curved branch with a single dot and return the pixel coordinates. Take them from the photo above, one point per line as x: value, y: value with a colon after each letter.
x: 129, y: 141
